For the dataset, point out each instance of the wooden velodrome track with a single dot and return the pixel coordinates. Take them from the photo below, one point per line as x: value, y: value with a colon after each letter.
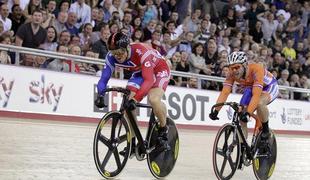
x: 40, y: 149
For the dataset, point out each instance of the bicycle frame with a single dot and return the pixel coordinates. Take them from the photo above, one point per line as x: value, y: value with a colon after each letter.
x: 236, y: 123
x: 132, y: 118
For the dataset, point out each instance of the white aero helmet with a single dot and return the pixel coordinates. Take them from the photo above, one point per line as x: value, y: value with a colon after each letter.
x: 237, y: 57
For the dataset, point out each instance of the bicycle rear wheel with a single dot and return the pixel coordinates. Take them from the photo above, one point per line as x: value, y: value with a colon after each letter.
x: 161, y: 162
x: 264, y: 157
x: 112, y: 136
x: 226, y: 148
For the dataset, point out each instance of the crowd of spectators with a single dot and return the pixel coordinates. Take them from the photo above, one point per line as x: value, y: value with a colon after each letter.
x: 194, y: 35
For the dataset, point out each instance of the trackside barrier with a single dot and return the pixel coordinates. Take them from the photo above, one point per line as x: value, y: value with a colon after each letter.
x: 28, y: 90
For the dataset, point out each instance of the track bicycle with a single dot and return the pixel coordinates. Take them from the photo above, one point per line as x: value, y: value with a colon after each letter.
x: 114, y: 142
x: 231, y: 150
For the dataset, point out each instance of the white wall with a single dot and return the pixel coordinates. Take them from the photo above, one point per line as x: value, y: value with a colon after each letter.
x: 36, y: 91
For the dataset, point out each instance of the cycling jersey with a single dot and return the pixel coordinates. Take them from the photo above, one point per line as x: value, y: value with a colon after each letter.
x: 258, y: 79
x: 149, y: 68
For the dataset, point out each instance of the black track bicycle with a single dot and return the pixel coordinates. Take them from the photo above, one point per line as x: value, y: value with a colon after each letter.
x: 231, y: 150
x: 114, y: 142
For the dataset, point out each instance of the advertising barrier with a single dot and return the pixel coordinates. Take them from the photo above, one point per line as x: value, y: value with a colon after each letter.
x: 27, y: 90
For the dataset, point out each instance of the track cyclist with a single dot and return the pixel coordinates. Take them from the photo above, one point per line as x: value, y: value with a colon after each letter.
x: 260, y: 89
x: 150, y: 76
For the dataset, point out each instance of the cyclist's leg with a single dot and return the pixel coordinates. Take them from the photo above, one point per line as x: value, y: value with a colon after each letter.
x: 245, y: 100
x: 268, y: 95
x: 134, y: 84
x: 159, y: 108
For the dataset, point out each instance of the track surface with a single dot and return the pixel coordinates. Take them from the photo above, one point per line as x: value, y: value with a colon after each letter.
x: 39, y: 149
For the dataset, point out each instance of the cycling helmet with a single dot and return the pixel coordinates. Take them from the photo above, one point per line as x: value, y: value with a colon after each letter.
x: 238, y: 57
x: 117, y: 41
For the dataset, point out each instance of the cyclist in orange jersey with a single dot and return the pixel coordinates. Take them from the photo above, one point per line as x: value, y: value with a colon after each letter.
x: 260, y: 89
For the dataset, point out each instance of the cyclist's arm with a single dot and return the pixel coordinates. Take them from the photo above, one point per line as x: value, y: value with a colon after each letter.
x: 227, y: 87
x: 148, y: 80
x: 105, y: 75
x: 257, y: 89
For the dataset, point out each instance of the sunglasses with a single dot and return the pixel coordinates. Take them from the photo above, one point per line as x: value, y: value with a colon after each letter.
x: 235, y: 67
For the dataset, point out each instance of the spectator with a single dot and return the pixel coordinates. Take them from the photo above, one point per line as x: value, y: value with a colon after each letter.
x: 117, y: 6
x: 186, y: 44
x: 64, y: 38
x: 75, y: 40
x: 51, y: 7
x: 48, y: 19
x: 31, y: 34
x: 251, y: 14
x: 82, y: 11
x: 269, y: 27
x: 203, y: 33
x: 256, y: 32
x: 58, y: 64
x: 241, y: 24
x: 33, y: 60
x: 60, y: 22
x: 230, y: 18
x: 137, y: 36
x: 87, y: 68
x: 50, y: 43
x: 70, y: 24
x: 278, y: 46
x: 183, y: 66
x: 155, y: 43
x: 107, y: 4
x: 74, y: 66
x: 295, y: 68
x: 114, y: 28
x: 4, y: 56
x: 197, y: 61
x: 4, y: 14
x: 192, y: 83
x: 150, y: 12
x: 304, y: 82
x: 225, y: 45
x: 174, y: 60
x: 134, y: 6
x: 32, y: 6
x: 94, y: 16
x: 193, y: 21
x: 85, y: 36
x: 283, y: 81
x: 100, y: 46
x: 137, y: 23
x: 126, y: 23
x: 294, y: 82
x: 149, y: 29
x: 211, y: 55
x: 162, y: 9
x: 17, y: 18
x: 64, y: 6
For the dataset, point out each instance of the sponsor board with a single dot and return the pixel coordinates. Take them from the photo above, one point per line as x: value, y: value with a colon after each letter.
x: 48, y: 92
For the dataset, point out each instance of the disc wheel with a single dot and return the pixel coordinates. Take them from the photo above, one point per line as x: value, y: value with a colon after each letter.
x: 265, y: 157
x: 161, y: 162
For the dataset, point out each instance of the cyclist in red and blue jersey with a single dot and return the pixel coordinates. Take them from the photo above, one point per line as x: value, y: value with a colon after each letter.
x: 150, y: 76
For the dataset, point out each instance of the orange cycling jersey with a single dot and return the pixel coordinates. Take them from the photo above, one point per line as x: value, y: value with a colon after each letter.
x: 256, y: 77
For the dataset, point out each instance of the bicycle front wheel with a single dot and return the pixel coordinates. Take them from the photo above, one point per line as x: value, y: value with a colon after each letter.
x: 111, y: 137
x: 226, y: 152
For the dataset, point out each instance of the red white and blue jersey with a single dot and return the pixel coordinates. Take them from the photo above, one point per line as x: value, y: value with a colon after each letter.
x: 143, y: 60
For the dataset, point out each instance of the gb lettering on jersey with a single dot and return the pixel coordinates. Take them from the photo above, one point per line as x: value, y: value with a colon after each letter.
x: 147, y: 64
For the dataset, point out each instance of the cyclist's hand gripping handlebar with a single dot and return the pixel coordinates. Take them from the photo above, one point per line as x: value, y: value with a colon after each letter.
x: 99, y: 102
